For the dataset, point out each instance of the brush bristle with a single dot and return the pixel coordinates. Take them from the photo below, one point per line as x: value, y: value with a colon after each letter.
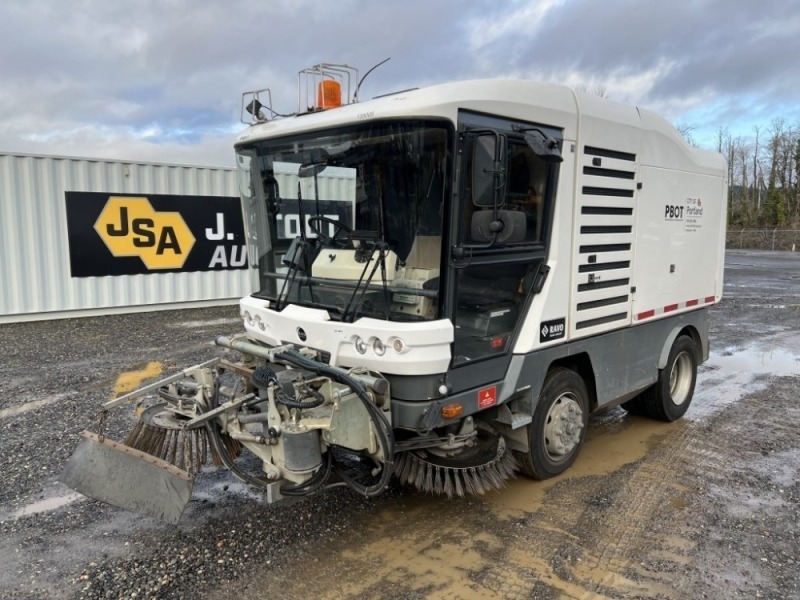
x: 187, y: 449
x: 454, y: 481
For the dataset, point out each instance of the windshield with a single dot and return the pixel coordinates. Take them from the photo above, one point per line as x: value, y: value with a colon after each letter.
x: 349, y: 220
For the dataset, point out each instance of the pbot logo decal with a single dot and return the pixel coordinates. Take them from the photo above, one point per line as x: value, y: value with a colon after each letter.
x: 487, y: 397
x: 129, y: 226
x: 673, y: 212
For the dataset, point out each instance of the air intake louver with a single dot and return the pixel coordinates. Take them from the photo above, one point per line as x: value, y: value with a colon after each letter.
x: 601, y: 298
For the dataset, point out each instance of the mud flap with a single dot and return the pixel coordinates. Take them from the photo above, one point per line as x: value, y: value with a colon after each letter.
x: 122, y: 476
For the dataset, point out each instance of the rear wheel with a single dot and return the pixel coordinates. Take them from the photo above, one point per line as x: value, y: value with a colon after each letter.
x: 558, y: 428
x: 669, y: 398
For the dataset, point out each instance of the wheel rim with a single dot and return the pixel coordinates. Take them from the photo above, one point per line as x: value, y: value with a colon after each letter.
x: 563, y: 427
x: 680, y: 378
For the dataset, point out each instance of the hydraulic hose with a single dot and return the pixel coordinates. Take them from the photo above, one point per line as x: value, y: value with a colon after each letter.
x: 382, y: 427
x: 318, y: 400
x: 216, y: 441
x: 312, y: 485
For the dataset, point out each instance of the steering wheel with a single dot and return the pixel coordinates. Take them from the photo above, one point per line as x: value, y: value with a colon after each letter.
x: 335, y: 240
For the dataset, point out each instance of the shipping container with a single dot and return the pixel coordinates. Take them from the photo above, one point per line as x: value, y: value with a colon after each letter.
x: 83, y: 237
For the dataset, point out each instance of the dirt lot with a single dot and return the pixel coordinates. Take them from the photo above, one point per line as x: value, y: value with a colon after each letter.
x: 706, y: 507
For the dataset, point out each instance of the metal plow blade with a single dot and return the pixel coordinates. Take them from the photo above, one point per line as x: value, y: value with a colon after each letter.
x: 122, y: 476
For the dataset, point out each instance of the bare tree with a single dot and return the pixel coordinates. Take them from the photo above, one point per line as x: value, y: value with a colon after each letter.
x: 757, y: 191
x: 686, y: 129
x: 763, y: 173
x: 599, y: 90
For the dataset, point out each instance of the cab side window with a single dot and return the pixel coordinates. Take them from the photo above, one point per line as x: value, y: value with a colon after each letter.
x: 525, y: 189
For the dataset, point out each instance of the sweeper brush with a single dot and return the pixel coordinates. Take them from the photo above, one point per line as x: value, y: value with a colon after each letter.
x: 486, y: 466
x: 313, y: 427
x: 163, y: 434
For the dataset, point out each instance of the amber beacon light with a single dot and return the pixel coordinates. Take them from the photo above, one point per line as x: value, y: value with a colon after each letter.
x: 329, y: 94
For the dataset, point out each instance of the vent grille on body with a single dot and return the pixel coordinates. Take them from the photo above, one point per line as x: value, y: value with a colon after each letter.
x: 601, y: 298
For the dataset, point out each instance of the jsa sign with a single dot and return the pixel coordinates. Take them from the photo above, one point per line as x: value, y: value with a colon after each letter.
x: 128, y: 235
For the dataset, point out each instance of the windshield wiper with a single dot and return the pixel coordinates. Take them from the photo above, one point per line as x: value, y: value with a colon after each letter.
x: 382, y: 248
x: 300, y: 249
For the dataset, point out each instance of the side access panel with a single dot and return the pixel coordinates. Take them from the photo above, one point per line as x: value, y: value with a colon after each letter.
x: 679, y: 240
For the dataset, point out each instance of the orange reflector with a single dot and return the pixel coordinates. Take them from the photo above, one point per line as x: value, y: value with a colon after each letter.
x: 329, y: 94
x: 452, y: 410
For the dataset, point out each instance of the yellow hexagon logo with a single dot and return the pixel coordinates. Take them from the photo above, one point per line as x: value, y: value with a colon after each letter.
x: 130, y: 227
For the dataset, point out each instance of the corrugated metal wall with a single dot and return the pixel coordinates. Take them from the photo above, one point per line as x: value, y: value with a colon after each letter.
x: 35, y: 279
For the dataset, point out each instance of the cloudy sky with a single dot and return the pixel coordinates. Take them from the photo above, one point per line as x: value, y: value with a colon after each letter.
x: 161, y: 80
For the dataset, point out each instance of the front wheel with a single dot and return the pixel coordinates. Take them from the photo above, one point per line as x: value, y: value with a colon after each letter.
x: 558, y: 428
x: 669, y: 398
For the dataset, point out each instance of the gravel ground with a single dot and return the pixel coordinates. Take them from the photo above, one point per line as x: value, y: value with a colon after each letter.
x: 705, y: 507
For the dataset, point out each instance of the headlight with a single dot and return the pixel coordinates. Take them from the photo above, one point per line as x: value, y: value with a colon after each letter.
x: 398, y: 345
x: 248, y: 317
x: 360, y: 344
x: 260, y: 323
x: 378, y: 347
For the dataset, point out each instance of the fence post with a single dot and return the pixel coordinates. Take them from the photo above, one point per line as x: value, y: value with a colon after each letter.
x: 773, y: 238
x: 741, y: 240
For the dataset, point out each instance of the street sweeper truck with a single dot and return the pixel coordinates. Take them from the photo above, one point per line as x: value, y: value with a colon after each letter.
x: 451, y: 280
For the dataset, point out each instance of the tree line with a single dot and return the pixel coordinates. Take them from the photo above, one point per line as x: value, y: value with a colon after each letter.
x: 762, y: 175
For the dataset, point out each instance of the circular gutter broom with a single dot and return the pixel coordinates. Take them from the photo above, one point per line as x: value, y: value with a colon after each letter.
x: 161, y: 433
x: 486, y: 466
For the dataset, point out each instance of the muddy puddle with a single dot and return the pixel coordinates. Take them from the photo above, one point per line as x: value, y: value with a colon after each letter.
x: 757, y: 361
x: 614, y: 440
x: 736, y: 372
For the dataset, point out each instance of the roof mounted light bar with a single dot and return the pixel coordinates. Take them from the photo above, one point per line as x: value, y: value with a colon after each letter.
x: 320, y: 87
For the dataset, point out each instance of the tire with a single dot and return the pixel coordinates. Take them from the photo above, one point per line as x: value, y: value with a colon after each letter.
x: 558, y: 428
x: 669, y: 398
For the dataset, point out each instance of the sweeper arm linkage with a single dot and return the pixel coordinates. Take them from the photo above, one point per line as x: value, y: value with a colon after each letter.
x: 152, y: 387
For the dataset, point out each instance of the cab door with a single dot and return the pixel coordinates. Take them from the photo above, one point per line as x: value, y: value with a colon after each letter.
x: 501, y: 226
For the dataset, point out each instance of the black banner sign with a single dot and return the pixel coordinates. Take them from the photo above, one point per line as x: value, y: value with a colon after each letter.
x: 126, y: 234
